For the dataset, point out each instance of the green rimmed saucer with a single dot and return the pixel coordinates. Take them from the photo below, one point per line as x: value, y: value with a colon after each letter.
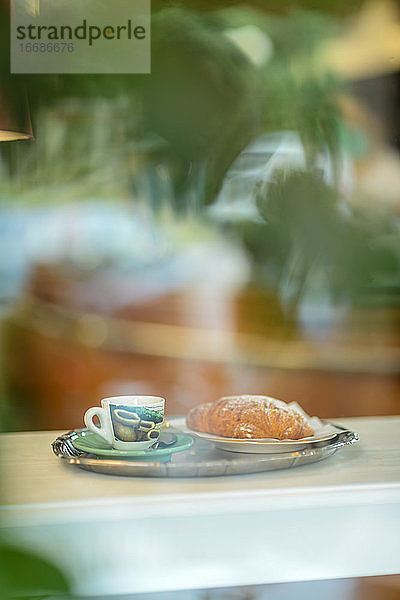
x: 91, y: 443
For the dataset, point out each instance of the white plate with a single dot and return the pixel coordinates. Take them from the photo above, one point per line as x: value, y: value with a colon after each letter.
x: 322, y: 432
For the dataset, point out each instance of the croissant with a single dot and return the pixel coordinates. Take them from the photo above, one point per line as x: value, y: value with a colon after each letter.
x: 249, y: 417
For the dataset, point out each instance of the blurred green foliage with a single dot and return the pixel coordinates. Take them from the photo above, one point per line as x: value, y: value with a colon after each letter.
x: 202, y: 104
x: 25, y: 576
x: 312, y: 232
x: 181, y: 128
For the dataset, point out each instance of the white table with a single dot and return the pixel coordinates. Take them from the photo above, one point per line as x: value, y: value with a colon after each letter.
x: 112, y: 535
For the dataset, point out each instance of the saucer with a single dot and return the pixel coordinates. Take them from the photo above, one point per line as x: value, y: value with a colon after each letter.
x: 91, y: 443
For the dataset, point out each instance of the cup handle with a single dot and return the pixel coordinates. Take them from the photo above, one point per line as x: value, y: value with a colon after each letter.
x: 103, y: 430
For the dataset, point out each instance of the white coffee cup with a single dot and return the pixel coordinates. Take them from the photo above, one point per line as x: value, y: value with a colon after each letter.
x: 128, y: 422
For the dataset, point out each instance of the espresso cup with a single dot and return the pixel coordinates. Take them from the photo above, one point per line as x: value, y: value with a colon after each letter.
x: 128, y: 422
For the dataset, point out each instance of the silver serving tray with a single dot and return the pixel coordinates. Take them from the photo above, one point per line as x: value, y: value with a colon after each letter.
x: 201, y: 460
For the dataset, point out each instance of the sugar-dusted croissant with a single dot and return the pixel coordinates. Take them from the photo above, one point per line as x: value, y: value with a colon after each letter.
x: 249, y: 417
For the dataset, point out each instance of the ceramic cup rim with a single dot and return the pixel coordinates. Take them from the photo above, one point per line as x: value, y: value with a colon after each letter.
x: 138, y: 400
